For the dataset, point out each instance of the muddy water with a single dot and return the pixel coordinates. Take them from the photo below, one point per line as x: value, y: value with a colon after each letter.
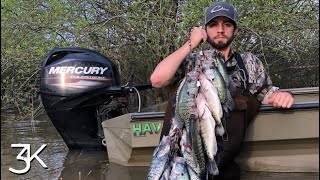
x: 35, y: 133
x: 63, y: 164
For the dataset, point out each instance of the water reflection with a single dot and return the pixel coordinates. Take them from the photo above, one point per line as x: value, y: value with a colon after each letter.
x: 62, y: 163
x: 84, y: 165
x: 94, y: 165
x: 36, y: 133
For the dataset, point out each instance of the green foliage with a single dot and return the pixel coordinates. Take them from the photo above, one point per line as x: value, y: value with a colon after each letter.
x: 138, y: 34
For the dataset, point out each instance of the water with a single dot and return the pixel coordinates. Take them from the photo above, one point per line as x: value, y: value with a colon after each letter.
x: 77, y: 165
x: 62, y: 164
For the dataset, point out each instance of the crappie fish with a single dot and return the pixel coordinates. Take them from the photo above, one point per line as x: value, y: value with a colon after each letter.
x: 175, y: 133
x: 161, y: 159
x: 207, y: 124
x: 179, y: 170
x: 187, y: 111
x: 196, y: 144
x: 214, y: 76
x: 218, y: 62
x: 186, y: 104
x: 176, y: 127
x: 219, y: 71
x: 193, y: 166
x: 176, y: 124
x: 193, y: 175
x: 211, y: 95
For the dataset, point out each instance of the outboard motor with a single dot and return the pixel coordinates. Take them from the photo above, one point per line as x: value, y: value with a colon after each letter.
x: 75, y: 83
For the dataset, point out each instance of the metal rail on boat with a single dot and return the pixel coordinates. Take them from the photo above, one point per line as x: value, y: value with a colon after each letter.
x: 304, y: 105
x: 303, y: 91
x: 295, y: 106
x: 146, y: 115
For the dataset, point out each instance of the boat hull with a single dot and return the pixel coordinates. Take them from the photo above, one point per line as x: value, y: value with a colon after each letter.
x: 276, y: 141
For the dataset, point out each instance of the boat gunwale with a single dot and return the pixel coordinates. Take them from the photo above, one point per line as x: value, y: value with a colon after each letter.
x: 265, y: 107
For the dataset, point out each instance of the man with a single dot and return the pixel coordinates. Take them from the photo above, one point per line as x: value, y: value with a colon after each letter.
x: 253, y: 85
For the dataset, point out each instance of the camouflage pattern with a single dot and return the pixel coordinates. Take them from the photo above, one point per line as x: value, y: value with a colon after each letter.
x: 258, y: 78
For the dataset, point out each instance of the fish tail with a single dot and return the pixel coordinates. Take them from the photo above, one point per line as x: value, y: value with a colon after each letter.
x: 212, y: 167
x: 219, y: 129
x: 203, y: 175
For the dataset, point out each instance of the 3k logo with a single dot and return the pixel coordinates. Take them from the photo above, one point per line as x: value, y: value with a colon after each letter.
x: 28, y: 159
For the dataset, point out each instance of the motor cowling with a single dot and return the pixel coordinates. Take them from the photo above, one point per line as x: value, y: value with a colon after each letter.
x: 75, y: 76
x: 71, y: 71
x: 73, y: 84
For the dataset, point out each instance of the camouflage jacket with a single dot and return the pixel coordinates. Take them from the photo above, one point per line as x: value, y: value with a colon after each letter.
x: 260, y: 83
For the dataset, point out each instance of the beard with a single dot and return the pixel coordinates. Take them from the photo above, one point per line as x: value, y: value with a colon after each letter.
x: 220, y: 45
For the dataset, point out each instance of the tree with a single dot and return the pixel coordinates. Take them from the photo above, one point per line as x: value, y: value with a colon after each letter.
x: 132, y: 33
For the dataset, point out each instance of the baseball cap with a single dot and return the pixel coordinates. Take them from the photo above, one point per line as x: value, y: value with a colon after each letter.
x: 221, y: 9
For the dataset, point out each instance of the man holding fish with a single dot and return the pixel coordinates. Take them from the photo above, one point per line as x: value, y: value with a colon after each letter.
x: 248, y: 83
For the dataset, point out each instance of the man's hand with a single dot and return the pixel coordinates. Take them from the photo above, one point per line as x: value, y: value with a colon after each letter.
x: 197, y: 36
x: 281, y: 99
